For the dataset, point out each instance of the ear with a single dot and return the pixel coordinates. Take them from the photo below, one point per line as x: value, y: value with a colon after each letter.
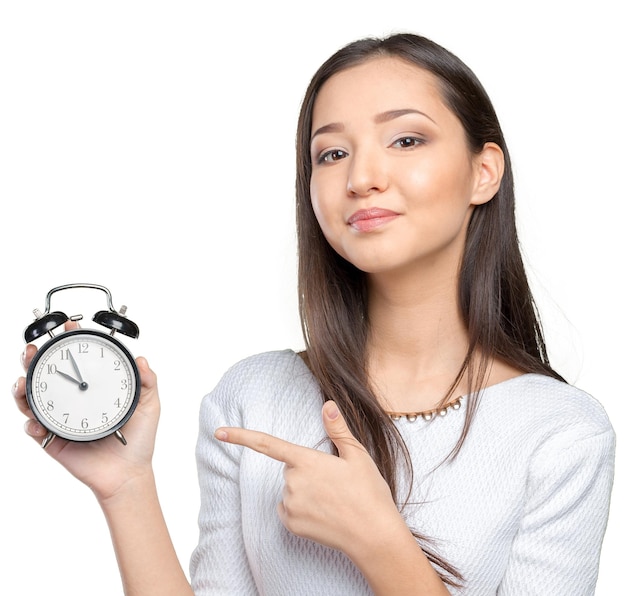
x: 489, y: 165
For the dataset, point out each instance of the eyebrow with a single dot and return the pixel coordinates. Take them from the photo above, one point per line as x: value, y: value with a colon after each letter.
x: 392, y: 114
x: 332, y: 127
x: 379, y: 119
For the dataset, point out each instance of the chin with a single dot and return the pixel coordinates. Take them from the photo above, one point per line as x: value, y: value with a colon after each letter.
x: 372, y: 266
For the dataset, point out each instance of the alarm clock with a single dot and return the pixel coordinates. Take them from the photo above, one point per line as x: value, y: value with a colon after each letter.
x: 82, y: 384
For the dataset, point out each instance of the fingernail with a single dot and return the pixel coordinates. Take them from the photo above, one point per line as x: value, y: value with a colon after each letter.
x: 332, y: 412
x: 222, y: 435
x: 33, y: 428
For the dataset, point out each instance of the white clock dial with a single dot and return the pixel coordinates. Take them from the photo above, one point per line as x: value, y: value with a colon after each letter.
x: 83, y: 385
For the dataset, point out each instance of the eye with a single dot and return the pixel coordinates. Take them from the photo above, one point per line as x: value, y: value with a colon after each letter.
x: 331, y: 155
x: 407, y: 142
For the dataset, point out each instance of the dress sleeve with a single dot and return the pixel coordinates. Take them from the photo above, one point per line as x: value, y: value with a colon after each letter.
x: 557, y: 548
x: 219, y: 565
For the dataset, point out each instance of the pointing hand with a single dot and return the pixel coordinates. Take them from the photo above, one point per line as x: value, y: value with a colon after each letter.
x: 325, y: 498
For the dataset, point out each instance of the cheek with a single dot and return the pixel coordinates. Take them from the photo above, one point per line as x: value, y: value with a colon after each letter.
x: 437, y: 184
x: 321, y: 205
x: 327, y: 223
x: 317, y: 208
x: 328, y: 218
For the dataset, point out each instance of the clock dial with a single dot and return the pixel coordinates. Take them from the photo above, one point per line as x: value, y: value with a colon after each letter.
x: 83, y: 385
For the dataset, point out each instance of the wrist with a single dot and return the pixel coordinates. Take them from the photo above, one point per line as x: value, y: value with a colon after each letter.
x: 392, y: 561
x: 139, y: 486
x: 380, y: 542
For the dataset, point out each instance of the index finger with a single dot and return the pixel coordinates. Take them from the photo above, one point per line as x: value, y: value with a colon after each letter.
x: 273, y: 447
x: 31, y: 349
x: 27, y: 355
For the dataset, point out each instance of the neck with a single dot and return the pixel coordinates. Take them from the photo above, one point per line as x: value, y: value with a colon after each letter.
x: 418, y: 340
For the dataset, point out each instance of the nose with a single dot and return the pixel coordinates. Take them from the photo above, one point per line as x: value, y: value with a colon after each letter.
x: 367, y: 173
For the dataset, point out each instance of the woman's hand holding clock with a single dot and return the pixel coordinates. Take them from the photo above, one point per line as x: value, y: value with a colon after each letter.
x: 121, y: 477
x: 104, y: 465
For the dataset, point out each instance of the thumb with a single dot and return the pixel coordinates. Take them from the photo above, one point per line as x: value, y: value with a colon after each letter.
x: 338, y: 431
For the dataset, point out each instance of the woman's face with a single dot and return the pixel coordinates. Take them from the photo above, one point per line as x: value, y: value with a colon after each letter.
x: 393, y: 182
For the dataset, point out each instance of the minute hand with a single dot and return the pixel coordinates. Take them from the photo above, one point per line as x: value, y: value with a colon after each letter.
x: 75, y: 366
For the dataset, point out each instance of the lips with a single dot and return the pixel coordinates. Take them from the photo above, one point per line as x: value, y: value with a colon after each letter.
x: 365, y: 220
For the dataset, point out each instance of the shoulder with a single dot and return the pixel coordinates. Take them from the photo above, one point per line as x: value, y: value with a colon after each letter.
x: 266, y: 369
x: 561, y: 458
x: 259, y: 387
x: 538, y: 409
x: 538, y: 398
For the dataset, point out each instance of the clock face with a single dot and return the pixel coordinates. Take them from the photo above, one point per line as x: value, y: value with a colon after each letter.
x: 82, y: 385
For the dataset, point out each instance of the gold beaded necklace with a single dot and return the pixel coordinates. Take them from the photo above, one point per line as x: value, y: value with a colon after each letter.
x: 428, y: 414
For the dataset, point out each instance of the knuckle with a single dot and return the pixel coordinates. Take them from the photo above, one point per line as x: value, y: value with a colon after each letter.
x: 264, y: 443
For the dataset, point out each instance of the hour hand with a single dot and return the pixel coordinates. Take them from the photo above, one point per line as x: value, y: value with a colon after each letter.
x: 81, y: 384
x: 68, y: 377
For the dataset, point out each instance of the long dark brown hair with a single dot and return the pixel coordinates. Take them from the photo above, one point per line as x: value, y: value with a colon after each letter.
x: 496, y: 302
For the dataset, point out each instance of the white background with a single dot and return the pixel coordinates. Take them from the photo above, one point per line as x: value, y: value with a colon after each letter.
x: 148, y: 147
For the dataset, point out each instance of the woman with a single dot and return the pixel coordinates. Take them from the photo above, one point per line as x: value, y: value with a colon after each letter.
x: 449, y: 457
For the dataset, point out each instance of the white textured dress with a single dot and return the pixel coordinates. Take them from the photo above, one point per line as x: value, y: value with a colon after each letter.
x: 521, y: 511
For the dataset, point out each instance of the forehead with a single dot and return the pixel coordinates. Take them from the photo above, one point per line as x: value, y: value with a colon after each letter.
x: 375, y: 86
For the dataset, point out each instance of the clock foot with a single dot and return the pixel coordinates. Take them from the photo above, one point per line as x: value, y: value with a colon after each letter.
x: 120, y: 437
x: 49, y: 438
